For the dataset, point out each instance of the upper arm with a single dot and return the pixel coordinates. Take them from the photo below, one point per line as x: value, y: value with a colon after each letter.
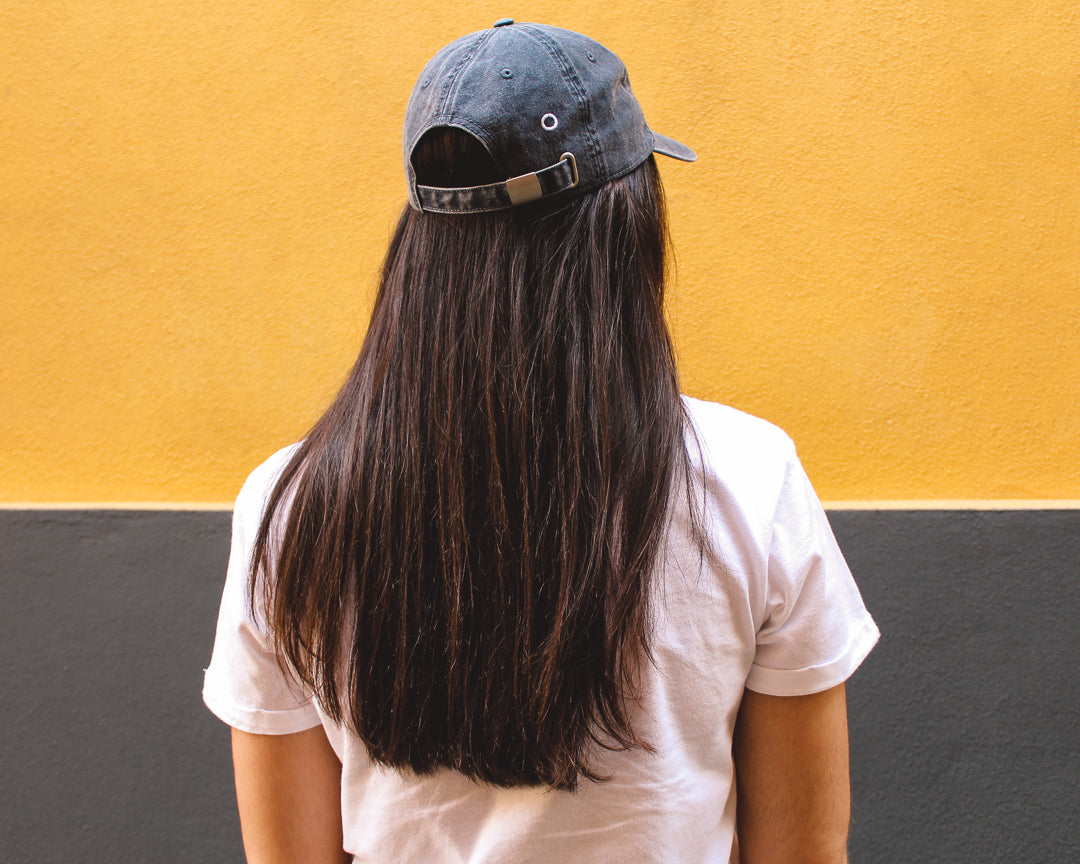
x: 791, y: 770
x: 288, y: 790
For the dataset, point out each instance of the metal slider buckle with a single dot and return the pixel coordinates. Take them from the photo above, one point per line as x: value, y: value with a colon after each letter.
x: 573, y: 167
x: 527, y: 188
x: 524, y: 189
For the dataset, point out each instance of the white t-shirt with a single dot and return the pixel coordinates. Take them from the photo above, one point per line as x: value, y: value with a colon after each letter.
x: 772, y: 607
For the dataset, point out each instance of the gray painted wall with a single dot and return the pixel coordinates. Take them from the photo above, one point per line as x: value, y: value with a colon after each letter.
x: 963, y: 721
x: 110, y: 755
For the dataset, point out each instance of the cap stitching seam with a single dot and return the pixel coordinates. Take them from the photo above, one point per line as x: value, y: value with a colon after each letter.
x: 578, y: 90
x: 453, y: 86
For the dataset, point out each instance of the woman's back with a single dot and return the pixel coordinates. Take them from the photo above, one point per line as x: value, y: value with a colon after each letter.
x: 519, y: 582
x: 770, y: 605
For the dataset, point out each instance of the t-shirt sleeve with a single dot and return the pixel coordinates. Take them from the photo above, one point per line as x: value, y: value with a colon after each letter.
x: 815, y: 630
x: 244, y: 685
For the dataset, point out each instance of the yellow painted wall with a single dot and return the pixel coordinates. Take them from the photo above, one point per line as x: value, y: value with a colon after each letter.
x: 878, y: 248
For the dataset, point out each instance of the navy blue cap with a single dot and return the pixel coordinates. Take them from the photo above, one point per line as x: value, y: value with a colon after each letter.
x: 552, y: 107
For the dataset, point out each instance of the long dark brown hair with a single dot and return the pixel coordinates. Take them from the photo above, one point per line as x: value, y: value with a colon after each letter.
x: 458, y: 556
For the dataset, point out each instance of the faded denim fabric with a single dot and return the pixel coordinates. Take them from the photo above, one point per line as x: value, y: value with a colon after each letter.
x: 530, y: 93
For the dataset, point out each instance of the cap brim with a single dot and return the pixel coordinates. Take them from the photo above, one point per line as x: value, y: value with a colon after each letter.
x: 671, y: 147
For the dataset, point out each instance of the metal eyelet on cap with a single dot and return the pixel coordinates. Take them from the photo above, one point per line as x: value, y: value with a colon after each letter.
x: 507, y: 73
x: 549, y: 122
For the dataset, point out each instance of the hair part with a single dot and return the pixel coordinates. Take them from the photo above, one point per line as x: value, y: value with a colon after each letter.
x: 469, y: 533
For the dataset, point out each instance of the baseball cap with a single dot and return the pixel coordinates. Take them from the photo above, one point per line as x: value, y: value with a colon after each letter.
x: 552, y: 107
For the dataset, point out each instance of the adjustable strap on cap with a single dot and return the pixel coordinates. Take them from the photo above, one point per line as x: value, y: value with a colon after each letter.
x: 503, y: 195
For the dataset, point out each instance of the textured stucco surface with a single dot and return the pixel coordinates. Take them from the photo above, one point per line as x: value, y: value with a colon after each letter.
x: 878, y: 248
x: 110, y: 756
x: 963, y: 718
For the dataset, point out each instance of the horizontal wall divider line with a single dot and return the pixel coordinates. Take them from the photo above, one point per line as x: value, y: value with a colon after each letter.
x: 120, y: 505
x: 886, y: 504
x: 958, y: 504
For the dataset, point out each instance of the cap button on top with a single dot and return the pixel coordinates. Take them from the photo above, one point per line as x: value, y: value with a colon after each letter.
x: 503, y: 22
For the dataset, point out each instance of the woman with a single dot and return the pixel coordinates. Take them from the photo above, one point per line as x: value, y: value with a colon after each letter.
x: 513, y: 598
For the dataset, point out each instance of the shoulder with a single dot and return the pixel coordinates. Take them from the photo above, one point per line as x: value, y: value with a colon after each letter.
x: 741, y: 466
x: 736, y: 447
x: 728, y: 427
x: 251, y: 501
